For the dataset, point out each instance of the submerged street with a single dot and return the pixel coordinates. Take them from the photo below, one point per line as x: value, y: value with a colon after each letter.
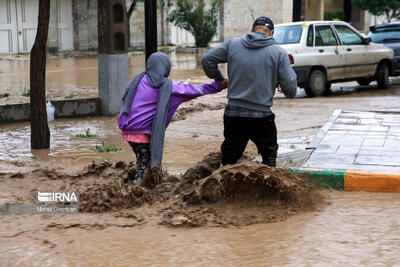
x: 354, y: 228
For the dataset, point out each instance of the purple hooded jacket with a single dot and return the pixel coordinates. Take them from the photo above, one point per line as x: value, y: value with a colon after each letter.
x: 140, y: 121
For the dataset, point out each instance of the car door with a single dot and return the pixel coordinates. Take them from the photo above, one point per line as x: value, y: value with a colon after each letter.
x: 329, y: 52
x: 360, y: 62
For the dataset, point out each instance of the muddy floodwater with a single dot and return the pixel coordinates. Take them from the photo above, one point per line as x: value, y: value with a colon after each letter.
x: 77, y: 77
x: 356, y: 229
x: 350, y: 229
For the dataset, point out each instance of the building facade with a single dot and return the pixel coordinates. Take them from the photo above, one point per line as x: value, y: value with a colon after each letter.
x: 18, y: 23
x: 73, y: 23
x: 328, y: 9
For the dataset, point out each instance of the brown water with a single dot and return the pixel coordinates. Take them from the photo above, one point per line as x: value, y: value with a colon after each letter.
x: 357, y: 229
x: 77, y: 77
x: 68, y: 150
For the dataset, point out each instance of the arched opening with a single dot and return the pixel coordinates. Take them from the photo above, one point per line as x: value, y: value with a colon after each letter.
x: 119, y: 42
x: 118, y: 13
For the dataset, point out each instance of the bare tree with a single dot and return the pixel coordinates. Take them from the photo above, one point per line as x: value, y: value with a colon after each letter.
x: 131, y: 8
x: 40, y: 133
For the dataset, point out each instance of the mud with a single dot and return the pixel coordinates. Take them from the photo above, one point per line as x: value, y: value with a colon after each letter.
x: 205, y: 195
x: 184, y: 111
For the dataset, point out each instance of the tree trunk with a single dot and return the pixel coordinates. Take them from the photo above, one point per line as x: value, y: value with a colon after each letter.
x: 40, y: 133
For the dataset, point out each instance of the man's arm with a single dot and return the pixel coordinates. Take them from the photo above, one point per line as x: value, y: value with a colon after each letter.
x: 211, y: 60
x: 287, y: 77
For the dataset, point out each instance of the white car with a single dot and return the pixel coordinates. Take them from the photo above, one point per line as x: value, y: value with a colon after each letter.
x: 324, y: 52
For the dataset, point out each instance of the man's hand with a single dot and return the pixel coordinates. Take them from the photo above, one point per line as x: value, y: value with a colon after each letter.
x: 224, y: 83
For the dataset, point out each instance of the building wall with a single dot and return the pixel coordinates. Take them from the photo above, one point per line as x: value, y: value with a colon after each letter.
x: 137, y: 25
x: 314, y: 10
x: 360, y: 19
x: 240, y: 15
x: 85, y: 24
x: 333, y: 6
x: 86, y: 30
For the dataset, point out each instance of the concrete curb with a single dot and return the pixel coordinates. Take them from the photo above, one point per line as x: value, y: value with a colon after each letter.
x: 352, y: 180
x: 71, y: 108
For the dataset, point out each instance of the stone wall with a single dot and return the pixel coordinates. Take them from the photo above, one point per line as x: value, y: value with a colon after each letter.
x: 137, y: 25
x: 240, y: 15
x: 85, y: 24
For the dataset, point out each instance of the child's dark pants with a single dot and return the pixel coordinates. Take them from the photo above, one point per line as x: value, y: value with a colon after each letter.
x: 143, y: 158
x: 239, y: 130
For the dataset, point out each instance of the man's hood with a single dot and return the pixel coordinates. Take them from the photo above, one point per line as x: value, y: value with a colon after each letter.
x: 257, y: 40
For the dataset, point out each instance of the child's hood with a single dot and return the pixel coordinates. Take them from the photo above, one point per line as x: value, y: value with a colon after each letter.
x: 158, y: 68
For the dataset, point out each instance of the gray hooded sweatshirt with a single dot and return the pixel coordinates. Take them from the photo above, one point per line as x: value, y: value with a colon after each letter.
x: 255, y: 66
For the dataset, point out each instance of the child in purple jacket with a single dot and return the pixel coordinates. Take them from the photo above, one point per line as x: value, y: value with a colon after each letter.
x: 150, y: 101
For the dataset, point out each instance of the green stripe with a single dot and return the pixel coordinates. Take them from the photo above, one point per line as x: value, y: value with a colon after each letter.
x: 331, y: 178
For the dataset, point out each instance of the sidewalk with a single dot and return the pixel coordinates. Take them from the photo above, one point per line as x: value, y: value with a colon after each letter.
x: 356, y: 151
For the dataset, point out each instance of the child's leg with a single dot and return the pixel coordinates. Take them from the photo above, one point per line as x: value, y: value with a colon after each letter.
x: 143, y: 159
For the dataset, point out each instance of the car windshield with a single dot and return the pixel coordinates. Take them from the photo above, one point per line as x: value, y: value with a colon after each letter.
x: 288, y: 34
x: 388, y: 35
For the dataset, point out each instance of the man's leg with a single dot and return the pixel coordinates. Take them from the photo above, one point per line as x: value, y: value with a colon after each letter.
x: 264, y: 135
x: 236, y: 139
x: 143, y: 159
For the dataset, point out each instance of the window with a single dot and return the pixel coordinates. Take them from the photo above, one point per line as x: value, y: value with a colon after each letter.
x: 119, y: 42
x: 310, y: 36
x: 118, y: 13
x: 288, y: 34
x: 348, y: 36
x: 324, y: 36
x: 385, y: 35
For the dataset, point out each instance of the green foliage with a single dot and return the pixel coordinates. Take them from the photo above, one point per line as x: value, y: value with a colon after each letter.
x: 27, y: 92
x: 378, y: 7
x: 87, y: 134
x: 195, y: 19
x: 334, y: 15
x: 4, y: 95
x: 106, y: 148
x: 70, y: 96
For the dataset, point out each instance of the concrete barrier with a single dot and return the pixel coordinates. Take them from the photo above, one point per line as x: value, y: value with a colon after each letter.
x: 71, y: 108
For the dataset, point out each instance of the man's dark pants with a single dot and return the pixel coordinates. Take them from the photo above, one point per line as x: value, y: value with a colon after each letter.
x: 239, y: 130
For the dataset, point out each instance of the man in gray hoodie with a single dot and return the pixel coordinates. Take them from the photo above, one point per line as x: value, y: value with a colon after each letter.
x: 256, y: 65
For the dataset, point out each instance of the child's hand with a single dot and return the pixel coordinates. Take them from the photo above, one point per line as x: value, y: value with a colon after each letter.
x: 278, y: 88
x: 224, y: 83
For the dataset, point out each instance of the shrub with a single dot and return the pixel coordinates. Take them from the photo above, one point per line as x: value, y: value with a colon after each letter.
x: 195, y: 19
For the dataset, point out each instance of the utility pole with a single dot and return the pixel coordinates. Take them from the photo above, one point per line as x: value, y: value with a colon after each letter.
x: 40, y: 133
x: 150, y: 20
x: 113, y: 39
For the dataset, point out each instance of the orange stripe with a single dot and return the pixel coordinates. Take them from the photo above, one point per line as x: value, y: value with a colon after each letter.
x: 373, y: 182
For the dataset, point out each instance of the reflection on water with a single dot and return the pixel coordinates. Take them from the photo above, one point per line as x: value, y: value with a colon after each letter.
x: 358, y: 228
x: 69, y: 150
x: 82, y: 72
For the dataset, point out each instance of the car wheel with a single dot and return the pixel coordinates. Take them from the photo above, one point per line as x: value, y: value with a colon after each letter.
x: 364, y: 81
x: 316, y: 84
x: 382, y: 76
